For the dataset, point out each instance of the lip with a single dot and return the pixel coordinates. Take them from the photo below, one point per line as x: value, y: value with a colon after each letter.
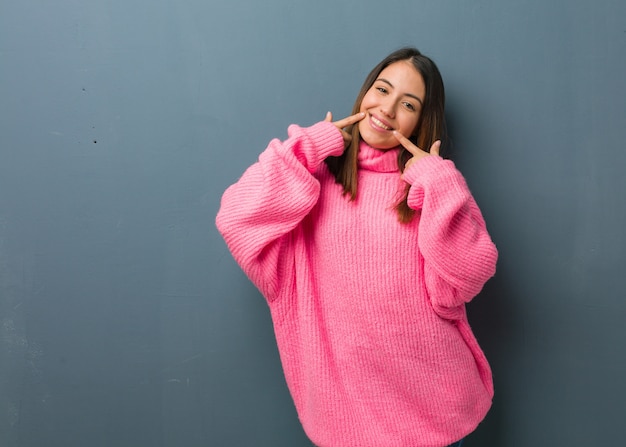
x: 375, y: 123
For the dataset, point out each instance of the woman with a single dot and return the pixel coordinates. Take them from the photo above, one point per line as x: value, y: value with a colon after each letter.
x: 367, y: 248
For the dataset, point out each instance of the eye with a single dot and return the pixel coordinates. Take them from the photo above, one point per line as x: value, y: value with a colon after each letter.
x: 381, y: 89
x: 409, y: 106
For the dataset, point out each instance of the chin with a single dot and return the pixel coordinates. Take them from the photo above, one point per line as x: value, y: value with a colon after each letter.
x: 380, y: 145
x: 376, y: 142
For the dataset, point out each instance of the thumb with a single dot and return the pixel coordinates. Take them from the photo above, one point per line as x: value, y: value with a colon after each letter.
x: 329, y: 117
x: 435, y: 148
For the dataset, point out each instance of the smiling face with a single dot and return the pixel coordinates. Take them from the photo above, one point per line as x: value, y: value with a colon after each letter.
x: 394, y: 102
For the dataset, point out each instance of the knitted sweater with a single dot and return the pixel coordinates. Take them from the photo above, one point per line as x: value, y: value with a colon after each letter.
x: 369, y: 314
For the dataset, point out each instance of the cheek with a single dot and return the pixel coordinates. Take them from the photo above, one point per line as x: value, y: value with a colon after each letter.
x: 410, y: 125
x: 363, y: 127
x: 366, y: 102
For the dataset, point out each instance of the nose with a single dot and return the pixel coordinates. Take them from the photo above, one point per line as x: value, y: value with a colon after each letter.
x: 388, y: 108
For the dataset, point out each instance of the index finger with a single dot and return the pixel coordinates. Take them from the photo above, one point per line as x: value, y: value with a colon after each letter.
x: 406, y: 143
x: 349, y: 120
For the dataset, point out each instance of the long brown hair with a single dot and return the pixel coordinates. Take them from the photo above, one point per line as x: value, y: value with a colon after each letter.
x: 430, y: 127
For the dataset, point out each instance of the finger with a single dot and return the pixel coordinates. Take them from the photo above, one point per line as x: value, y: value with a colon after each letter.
x: 406, y: 143
x: 350, y: 120
x: 436, y: 147
x: 329, y: 117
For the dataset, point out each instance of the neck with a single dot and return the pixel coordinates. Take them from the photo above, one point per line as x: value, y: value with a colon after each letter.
x: 379, y: 160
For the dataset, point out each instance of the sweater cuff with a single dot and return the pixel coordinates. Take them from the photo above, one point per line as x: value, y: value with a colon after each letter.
x: 422, y: 168
x: 417, y: 176
x: 323, y: 140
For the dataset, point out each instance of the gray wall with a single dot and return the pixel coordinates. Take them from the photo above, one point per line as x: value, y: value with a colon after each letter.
x: 125, y: 322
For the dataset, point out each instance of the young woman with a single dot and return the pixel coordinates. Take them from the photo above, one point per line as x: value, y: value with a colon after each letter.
x: 367, y: 249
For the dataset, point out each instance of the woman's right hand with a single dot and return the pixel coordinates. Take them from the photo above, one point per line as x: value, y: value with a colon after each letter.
x: 341, y: 124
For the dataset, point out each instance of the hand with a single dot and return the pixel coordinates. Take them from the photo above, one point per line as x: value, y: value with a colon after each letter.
x: 416, y: 151
x: 347, y: 137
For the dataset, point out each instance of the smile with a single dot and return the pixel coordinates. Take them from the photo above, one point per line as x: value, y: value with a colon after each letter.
x: 379, y: 123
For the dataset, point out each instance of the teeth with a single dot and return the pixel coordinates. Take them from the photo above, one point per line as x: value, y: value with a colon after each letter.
x: 380, y: 124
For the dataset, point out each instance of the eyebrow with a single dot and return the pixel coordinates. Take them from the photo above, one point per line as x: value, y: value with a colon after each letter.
x: 407, y: 94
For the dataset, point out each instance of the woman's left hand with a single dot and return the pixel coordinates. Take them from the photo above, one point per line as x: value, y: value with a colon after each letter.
x: 414, y: 150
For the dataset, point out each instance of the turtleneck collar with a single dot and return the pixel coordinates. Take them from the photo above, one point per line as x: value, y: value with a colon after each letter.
x: 377, y: 160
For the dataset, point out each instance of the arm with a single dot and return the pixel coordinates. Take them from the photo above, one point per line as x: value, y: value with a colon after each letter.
x: 459, y: 256
x: 272, y: 197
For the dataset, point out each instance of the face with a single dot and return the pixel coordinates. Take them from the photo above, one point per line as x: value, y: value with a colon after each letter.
x: 394, y: 102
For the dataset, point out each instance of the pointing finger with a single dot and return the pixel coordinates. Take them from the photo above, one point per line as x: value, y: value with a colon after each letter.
x: 350, y: 120
x: 329, y: 117
x: 406, y: 143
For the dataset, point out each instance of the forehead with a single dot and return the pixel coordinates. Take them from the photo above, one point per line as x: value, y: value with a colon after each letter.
x: 404, y: 76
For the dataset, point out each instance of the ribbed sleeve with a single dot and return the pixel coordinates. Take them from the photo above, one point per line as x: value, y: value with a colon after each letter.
x: 271, y: 198
x: 458, y: 251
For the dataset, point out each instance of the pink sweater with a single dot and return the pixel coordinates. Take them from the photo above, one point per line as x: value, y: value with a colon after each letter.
x: 369, y: 313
